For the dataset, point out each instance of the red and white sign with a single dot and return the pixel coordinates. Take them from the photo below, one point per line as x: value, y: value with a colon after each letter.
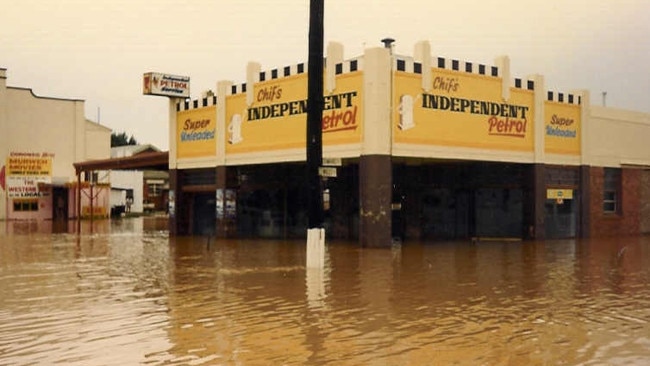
x: 155, y: 83
x: 26, y: 187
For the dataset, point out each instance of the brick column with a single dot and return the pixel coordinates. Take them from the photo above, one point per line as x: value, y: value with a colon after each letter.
x: 174, y: 181
x: 226, y: 226
x: 178, y: 218
x: 539, y: 169
x: 585, y: 201
x: 586, y: 187
x: 539, y: 200
x: 375, y: 191
x: 375, y: 170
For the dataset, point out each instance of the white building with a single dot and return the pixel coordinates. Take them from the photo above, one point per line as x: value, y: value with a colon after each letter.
x: 40, y: 139
x: 127, y: 186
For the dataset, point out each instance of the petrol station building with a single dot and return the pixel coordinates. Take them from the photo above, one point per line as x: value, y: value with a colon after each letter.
x: 422, y: 148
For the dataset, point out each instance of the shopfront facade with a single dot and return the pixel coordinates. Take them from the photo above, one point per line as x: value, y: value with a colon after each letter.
x: 422, y: 148
x: 40, y: 139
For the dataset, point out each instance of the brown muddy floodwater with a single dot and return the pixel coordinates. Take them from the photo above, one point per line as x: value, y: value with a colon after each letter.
x: 125, y: 293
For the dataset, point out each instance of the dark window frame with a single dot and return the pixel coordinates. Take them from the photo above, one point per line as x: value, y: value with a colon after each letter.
x: 25, y: 205
x: 612, y: 191
x: 154, y: 189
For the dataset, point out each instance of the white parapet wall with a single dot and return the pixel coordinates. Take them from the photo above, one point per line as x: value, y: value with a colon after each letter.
x: 617, y: 137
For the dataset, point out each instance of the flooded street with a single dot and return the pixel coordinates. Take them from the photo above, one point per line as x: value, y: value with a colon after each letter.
x: 125, y: 293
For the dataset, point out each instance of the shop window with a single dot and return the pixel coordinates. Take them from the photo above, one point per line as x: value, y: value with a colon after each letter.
x: 154, y: 190
x: 92, y: 177
x: 611, y: 190
x: 25, y: 205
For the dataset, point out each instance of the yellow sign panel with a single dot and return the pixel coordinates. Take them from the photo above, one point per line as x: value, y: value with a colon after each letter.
x: 277, y: 116
x: 97, y: 211
x: 559, y: 194
x: 562, y: 128
x: 25, y: 172
x: 23, y: 165
x: 464, y: 110
x: 196, y: 133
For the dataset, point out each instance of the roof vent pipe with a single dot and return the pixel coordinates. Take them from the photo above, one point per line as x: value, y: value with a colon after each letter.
x: 388, y: 43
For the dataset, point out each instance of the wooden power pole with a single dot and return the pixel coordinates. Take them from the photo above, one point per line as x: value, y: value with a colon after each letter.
x: 315, y: 113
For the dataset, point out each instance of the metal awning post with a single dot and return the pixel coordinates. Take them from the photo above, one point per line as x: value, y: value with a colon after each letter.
x: 92, y: 198
x: 78, y: 201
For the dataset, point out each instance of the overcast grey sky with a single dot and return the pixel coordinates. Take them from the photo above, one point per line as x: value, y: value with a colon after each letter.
x: 97, y: 50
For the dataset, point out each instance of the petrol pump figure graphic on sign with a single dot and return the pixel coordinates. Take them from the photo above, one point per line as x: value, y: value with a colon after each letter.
x: 234, y: 129
x: 406, y: 113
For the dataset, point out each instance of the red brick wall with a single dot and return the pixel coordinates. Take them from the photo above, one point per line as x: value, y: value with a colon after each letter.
x: 644, y: 225
x: 627, y: 220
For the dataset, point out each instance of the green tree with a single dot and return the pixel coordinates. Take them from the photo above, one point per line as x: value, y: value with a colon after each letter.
x: 122, y: 139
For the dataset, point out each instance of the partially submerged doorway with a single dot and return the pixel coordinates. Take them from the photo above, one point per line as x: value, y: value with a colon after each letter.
x: 203, y: 213
x: 59, y: 203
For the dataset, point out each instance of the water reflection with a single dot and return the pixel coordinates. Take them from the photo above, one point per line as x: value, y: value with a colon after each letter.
x: 124, y: 292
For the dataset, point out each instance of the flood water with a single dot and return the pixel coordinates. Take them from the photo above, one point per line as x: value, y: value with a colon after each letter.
x: 125, y: 293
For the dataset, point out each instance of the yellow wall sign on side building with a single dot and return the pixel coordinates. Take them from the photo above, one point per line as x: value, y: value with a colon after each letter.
x: 25, y: 172
x: 28, y: 165
x: 196, y: 133
x: 463, y: 110
x: 277, y: 117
